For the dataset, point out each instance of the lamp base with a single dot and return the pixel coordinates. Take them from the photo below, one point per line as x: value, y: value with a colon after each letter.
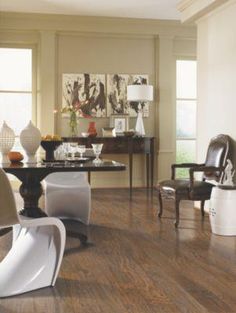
x: 139, y: 127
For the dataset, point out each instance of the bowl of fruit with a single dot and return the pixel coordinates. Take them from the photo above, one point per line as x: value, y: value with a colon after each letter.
x: 50, y: 143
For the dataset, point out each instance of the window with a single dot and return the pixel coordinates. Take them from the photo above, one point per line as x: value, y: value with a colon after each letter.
x: 16, y: 88
x: 186, y: 105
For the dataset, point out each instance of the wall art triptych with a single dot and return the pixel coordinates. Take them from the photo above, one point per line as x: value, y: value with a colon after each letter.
x: 100, y: 95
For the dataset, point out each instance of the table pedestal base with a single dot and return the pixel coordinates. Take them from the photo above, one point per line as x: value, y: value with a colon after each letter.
x: 31, y: 194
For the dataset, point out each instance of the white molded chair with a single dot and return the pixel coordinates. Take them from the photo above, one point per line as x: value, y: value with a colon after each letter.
x: 68, y: 196
x: 37, y: 248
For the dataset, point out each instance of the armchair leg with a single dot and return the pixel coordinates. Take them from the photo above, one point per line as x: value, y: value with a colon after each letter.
x: 177, y: 201
x: 160, y: 204
x: 202, y: 207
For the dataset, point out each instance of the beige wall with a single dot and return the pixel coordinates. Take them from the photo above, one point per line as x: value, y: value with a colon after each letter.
x: 106, y: 54
x: 67, y: 44
x: 216, y: 75
x: 216, y: 71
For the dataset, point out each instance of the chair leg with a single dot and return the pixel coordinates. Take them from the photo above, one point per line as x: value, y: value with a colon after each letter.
x: 177, y: 201
x: 160, y: 204
x: 202, y: 207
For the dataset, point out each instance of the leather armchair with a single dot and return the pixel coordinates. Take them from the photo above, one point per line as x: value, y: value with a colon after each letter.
x: 219, y: 150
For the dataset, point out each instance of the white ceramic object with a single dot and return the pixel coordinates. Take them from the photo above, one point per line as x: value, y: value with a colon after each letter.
x: 7, y: 139
x: 222, y: 211
x: 37, y: 248
x: 229, y: 174
x: 68, y: 196
x: 30, y: 138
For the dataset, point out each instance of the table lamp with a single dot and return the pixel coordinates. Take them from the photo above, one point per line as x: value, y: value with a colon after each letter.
x: 140, y: 93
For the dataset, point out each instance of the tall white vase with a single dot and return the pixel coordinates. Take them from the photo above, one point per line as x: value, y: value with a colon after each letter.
x: 30, y: 138
x: 7, y: 139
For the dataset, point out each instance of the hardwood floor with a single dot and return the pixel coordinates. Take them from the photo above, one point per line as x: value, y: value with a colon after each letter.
x: 138, y: 264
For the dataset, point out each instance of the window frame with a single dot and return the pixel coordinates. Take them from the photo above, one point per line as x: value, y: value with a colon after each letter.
x: 183, y: 58
x: 33, y: 48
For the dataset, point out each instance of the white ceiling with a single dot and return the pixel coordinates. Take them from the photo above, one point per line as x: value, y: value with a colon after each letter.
x: 150, y: 9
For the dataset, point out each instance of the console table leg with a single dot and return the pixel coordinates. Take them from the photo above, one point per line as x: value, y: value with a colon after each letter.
x: 152, y: 167
x: 130, y: 173
x: 147, y: 169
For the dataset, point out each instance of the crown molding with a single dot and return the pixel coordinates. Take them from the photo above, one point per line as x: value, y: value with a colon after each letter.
x: 184, y: 4
x: 82, y: 24
x: 193, y: 10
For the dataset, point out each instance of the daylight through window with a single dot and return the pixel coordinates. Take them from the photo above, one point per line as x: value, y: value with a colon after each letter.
x: 186, y: 105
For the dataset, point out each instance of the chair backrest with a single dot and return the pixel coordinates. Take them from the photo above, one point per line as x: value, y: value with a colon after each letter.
x: 219, y: 150
x: 8, y: 212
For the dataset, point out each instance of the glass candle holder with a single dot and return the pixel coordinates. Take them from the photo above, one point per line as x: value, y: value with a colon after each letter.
x: 81, y: 150
x: 97, y: 149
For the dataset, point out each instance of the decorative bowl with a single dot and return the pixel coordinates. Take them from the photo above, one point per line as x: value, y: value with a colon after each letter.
x: 108, y: 132
x: 50, y: 147
x: 129, y: 133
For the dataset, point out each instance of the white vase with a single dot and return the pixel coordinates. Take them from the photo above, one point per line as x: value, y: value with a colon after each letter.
x: 7, y: 139
x: 30, y: 138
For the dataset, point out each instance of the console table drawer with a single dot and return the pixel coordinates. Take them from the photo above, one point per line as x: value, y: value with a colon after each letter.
x: 115, y: 146
x: 119, y: 145
x: 111, y: 145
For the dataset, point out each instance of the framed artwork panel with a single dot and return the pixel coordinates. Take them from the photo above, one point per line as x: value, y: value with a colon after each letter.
x: 85, y: 91
x: 117, y: 94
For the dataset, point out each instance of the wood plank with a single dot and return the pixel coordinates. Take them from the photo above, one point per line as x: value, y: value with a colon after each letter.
x: 138, y: 263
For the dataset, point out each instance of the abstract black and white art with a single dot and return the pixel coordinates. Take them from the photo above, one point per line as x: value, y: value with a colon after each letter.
x: 86, y: 92
x: 117, y: 94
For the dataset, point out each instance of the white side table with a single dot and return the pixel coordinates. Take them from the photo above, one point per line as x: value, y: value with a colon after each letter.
x: 222, y: 211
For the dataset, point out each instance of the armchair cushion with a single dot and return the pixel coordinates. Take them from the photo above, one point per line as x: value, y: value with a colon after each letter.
x: 182, y: 188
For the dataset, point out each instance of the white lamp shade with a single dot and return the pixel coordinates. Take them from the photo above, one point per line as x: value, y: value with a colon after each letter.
x: 139, y: 93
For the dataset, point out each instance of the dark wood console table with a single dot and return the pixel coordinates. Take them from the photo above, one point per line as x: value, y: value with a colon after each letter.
x: 124, y: 145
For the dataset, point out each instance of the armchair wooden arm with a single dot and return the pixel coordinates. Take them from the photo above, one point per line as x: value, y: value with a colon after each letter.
x: 183, y: 165
x: 208, y: 169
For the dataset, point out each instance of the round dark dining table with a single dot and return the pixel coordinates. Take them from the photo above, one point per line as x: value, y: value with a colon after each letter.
x: 31, y: 188
x: 31, y: 176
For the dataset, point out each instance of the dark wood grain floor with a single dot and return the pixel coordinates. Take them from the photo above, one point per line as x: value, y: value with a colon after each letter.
x: 138, y: 264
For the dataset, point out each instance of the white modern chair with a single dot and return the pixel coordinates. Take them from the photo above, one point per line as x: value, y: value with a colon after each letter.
x: 68, y: 196
x: 37, y: 248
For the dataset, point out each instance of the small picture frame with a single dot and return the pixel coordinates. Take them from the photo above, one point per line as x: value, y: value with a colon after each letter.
x: 120, y: 122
